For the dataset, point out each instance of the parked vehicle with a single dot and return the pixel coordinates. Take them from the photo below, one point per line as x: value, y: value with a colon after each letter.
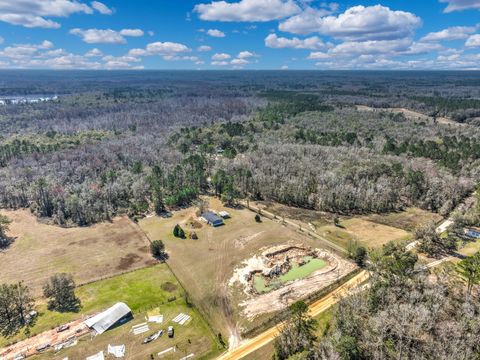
x: 63, y: 328
x: 170, y: 332
x: 153, y: 337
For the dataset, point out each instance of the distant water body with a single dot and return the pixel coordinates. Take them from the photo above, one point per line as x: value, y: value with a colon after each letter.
x: 26, y: 99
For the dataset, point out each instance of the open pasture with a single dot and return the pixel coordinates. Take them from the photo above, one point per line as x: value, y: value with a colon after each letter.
x: 88, y: 253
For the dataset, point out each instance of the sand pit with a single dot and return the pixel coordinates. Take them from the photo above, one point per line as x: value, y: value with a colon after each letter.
x: 284, y: 274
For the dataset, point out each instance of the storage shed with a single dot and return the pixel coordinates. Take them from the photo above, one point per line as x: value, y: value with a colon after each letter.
x: 473, y: 233
x: 212, y: 219
x: 118, y: 313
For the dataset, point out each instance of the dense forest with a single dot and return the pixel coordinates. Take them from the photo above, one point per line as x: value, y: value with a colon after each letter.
x: 127, y: 142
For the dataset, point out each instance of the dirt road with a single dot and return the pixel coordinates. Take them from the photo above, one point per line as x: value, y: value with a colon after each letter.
x: 316, y: 308
x: 272, y: 216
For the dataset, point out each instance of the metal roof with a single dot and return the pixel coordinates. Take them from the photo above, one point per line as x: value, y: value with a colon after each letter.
x: 211, y: 217
x: 105, y: 320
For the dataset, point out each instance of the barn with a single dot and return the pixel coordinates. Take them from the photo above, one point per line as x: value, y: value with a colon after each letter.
x: 117, y: 314
x: 212, y: 219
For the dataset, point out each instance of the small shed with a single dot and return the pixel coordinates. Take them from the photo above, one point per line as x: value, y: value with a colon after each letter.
x: 224, y: 214
x: 212, y: 219
x: 473, y: 233
x: 117, y: 314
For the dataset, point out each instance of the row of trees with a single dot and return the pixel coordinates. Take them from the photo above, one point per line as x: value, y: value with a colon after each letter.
x: 17, y: 303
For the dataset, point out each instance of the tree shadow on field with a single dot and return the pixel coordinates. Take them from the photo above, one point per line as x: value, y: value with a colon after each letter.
x: 6, y: 242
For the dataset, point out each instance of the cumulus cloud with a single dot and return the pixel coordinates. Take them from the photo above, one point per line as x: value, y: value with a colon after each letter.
x: 131, y: 32
x: 220, y: 56
x: 94, y: 52
x: 35, y: 13
x: 219, y: 63
x: 239, y: 62
x: 105, y: 36
x: 216, y: 33
x: 101, y: 8
x: 459, y: 5
x: 451, y: 33
x: 311, y: 43
x: 168, y: 50
x: 204, y: 48
x: 247, y: 10
x: 44, y: 55
x: 473, y: 41
x: 245, y: 54
x: 358, y: 23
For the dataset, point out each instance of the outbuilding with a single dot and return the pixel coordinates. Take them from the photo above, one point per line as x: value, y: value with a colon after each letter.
x: 117, y: 314
x: 212, y: 219
x: 473, y: 233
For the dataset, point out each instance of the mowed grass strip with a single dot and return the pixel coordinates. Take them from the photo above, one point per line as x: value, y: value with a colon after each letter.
x: 88, y: 253
x: 145, y: 291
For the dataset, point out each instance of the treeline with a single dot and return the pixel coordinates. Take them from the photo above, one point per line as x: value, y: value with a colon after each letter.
x: 405, y: 313
x: 448, y: 151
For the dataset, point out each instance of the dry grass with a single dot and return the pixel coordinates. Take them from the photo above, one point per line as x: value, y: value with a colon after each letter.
x: 366, y: 233
x: 89, y: 253
x: 406, y: 220
x: 204, y: 266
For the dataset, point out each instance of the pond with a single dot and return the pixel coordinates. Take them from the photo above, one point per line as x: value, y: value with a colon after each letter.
x: 295, y: 273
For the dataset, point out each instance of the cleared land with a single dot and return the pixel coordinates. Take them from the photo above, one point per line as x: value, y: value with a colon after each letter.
x: 204, y: 266
x: 371, y: 231
x: 152, y: 291
x: 88, y: 253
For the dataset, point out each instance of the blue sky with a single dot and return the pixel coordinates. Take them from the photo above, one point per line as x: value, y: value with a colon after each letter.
x: 234, y: 34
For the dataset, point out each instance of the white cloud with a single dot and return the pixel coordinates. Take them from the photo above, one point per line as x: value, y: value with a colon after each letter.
x: 317, y: 55
x: 245, y: 55
x: 358, y: 23
x: 1, y: 40
x: 105, y: 36
x: 44, y: 55
x: 305, y: 22
x: 216, y: 33
x: 459, y: 5
x: 220, y: 56
x: 101, y: 8
x: 247, y: 10
x: 93, y: 53
x: 219, y: 63
x: 164, y: 48
x: 284, y: 67
x: 473, y: 41
x: 168, y: 50
x: 35, y: 13
x: 239, y: 62
x: 131, y: 32
x: 204, y: 48
x: 451, y: 33
x: 312, y: 43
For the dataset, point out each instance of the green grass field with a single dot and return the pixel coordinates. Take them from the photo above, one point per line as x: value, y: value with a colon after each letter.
x: 143, y: 291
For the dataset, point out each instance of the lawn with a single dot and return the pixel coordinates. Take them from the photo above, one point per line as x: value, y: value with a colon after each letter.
x: 205, y: 266
x: 88, y: 253
x: 151, y: 290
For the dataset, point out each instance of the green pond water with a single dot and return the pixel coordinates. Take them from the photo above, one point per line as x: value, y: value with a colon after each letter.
x: 295, y: 273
